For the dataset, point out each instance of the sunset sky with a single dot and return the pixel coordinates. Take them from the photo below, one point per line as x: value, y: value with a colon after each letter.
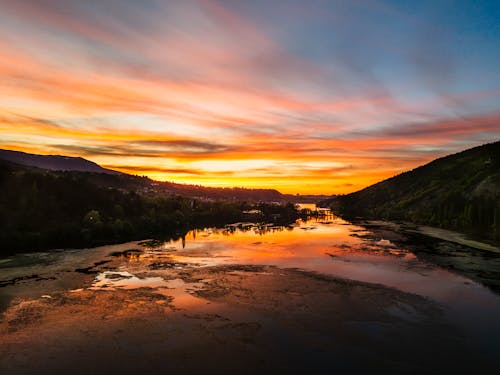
x: 302, y: 96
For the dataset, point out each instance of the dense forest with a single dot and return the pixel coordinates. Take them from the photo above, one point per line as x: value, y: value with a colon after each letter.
x: 460, y: 191
x: 111, y: 178
x: 42, y: 209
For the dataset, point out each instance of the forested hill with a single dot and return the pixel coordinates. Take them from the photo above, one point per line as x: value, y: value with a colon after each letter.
x: 54, y: 162
x: 104, y: 177
x: 460, y: 191
x: 43, y: 209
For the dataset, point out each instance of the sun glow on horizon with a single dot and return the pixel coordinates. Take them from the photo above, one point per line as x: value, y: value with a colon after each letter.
x: 217, y: 94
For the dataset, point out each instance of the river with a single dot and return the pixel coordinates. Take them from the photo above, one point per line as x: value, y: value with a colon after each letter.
x: 188, y: 273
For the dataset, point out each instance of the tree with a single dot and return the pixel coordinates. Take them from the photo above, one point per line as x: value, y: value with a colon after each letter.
x: 92, y: 218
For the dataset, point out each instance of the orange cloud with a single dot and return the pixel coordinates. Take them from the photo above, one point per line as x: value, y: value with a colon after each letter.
x: 199, y: 93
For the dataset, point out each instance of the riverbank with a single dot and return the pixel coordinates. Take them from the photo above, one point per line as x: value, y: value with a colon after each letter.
x: 321, y: 297
x: 454, y: 251
x: 228, y: 319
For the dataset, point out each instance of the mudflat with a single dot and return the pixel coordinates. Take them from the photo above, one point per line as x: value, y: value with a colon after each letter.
x: 318, y: 297
x: 228, y: 319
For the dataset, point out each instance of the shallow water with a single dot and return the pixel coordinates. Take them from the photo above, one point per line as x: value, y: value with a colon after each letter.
x: 340, y: 249
x: 333, y: 247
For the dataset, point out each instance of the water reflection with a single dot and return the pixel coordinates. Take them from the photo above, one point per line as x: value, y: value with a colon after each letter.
x: 112, y: 280
x: 335, y: 247
x: 326, y: 245
x: 140, y: 277
x: 179, y: 292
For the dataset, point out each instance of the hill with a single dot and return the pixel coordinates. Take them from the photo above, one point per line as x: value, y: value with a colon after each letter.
x: 54, y: 162
x: 43, y: 209
x: 459, y: 191
x: 103, y: 177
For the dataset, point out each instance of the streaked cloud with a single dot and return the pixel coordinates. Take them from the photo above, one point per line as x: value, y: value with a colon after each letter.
x: 320, y: 97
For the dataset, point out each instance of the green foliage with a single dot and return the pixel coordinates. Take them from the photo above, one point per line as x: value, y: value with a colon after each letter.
x: 92, y: 219
x: 460, y: 192
x: 42, y: 209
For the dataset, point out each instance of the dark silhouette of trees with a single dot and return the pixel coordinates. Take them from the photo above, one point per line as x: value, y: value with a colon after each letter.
x: 42, y: 209
x: 460, y: 192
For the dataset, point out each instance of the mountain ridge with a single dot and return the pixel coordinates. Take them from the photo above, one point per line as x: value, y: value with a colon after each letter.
x: 54, y: 162
x: 459, y: 191
x: 109, y: 178
x: 106, y: 177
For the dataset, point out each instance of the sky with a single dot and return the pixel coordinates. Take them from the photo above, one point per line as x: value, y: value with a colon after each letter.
x: 306, y: 97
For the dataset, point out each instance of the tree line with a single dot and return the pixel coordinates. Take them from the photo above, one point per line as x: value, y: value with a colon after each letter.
x: 460, y: 192
x: 42, y: 209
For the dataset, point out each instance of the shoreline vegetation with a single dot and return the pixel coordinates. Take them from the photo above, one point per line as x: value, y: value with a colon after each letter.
x: 459, y: 192
x: 42, y: 210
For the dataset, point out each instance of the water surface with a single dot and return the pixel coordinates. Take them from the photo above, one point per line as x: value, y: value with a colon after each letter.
x: 332, y: 247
